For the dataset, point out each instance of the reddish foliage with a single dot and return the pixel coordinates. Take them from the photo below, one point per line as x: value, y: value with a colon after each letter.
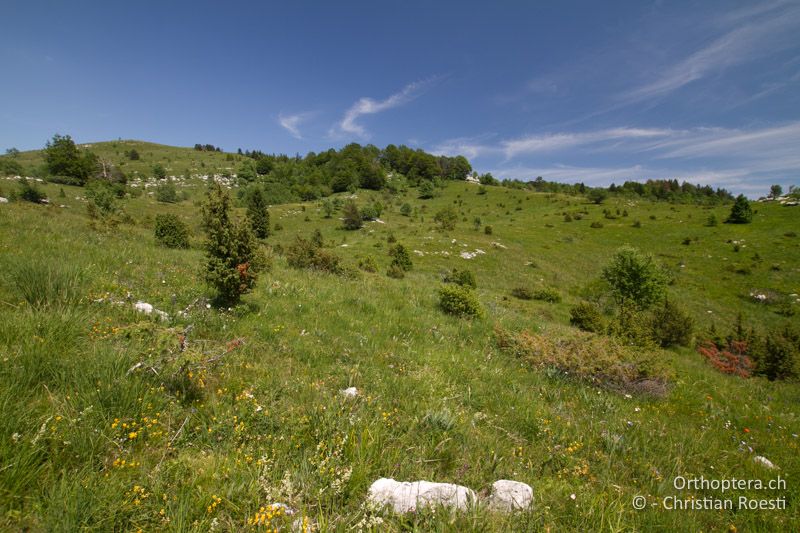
x: 730, y: 359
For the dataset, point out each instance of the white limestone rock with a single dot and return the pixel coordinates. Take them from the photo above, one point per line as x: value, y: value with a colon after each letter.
x: 349, y: 392
x: 510, y: 496
x: 763, y: 461
x: 406, y: 497
x: 148, y: 309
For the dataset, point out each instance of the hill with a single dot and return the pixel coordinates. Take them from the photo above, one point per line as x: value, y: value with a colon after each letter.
x: 115, y: 420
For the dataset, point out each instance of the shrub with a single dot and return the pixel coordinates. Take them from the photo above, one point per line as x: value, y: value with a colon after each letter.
x: 166, y: 192
x: 368, y: 264
x: 400, y: 257
x: 305, y: 253
x: 741, y: 212
x: 634, y: 278
x: 596, y: 225
x: 371, y: 211
x: 523, y: 293
x: 351, y: 217
x: 711, y: 221
x: 257, y: 213
x: 487, y: 230
x: 171, y: 231
x: 394, y: 271
x: 547, y: 294
x: 730, y: 359
x: 637, y: 224
x: 405, y: 210
x: 63, y: 158
x: 426, y: 189
x: 30, y: 193
x: 587, y: 316
x: 102, y: 198
x: 594, y: 359
x: 446, y: 218
x: 459, y: 301
x: 596, y: 196
x: 779, y: 357
x: 463, y: 277
x: 159, y: 172
x: 232, y: 256
x: 672, y: 326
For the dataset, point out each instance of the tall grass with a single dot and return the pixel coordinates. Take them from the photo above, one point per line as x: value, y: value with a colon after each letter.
x: 45, y: 282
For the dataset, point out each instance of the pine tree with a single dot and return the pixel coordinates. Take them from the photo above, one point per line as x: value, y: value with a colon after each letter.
x: 231, y: 248
x: 741, y: 212
x: 351, y: 216
x: 258, y: 214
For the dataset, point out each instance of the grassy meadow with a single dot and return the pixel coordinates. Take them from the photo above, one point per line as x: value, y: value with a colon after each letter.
x: 97, y: 435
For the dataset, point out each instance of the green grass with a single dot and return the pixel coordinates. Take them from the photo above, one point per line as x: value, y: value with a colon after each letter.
x: 439, y: 400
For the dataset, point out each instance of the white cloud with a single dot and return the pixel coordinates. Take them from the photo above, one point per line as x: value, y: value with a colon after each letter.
x: 369, y: 106
x: 742, y: 160
x: 560, y: 141
x: 291, y: 123
x: 762, y: 143
x: 757, y: 37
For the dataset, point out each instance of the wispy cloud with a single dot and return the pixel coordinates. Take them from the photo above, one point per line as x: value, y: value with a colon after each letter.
x: 369, y: 106
x: 744, y: 160
x: 560, y: 141
x: 738, y: 179
x: 766, y: 29
x: 291, y: 123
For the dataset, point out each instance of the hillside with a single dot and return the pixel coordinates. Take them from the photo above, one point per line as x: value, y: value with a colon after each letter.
x: 177, y: 161
x: 103, y: 430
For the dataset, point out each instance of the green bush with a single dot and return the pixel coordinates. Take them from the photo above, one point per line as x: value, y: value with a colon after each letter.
x: 547, y: 294
x: 741, y: 212
x: 463, y: 277
x: 29, y: 192
x: 405, y: 210
x: 368, y: 264
x: 166, y: 192
x: 672, y: 326
x: 487, y: 230
x: 351, y: 216
x: 596, y: 225
x: 426, y: 189
x: 635, y: 278
x: 779, y: 355
x: 523, y: 293
x: 306, y: 253
x: 394, y: 271
x: 587, y: 316
x: 257, y: 213
x: 446, y: 218
x: 232, y: 255
x: 400, y: 257
x: 459, y: 301
x: 171, y: 231
x: 372, y: 211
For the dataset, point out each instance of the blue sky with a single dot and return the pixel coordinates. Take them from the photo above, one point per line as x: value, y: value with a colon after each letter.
x: 707, y: 91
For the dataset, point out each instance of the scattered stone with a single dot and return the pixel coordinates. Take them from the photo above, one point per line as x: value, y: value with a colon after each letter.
x: 510, y: 496
x: 148, y: 309
x: 406, y: 497
x: 349, y: 392
x: 763, y: 461
x: 3, y: 200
